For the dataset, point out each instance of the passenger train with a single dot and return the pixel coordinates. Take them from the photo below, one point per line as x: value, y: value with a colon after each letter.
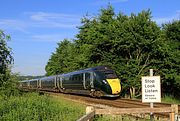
x: 100, y: 81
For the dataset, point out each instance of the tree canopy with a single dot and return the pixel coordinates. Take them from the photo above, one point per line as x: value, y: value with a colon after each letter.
x: 131, y: 45
x: 5, y: 58
x: 171, y: 67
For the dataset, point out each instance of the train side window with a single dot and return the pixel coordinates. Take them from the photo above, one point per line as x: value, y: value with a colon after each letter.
x: 66, y: 78
x: 73, y: 77
x: 87, y: 76
x: 76, y: 77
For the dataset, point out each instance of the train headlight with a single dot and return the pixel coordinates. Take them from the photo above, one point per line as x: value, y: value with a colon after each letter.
x: 104, y: 81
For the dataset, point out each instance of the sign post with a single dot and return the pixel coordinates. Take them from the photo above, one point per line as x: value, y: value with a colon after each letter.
x: 151, y: 90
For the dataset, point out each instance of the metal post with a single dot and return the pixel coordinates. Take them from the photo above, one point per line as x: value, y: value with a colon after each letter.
x: 151, y: 104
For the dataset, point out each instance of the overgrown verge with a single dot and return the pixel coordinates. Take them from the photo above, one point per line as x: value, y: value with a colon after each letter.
x: 32, y: 107
x: 170, y: 99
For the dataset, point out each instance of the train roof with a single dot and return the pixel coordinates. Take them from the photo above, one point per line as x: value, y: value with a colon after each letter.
x: 49, y: 77
x: 97, y: 68
x: 29, y: 80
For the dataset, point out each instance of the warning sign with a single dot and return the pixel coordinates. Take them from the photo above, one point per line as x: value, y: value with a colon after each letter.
x: 151, y: 89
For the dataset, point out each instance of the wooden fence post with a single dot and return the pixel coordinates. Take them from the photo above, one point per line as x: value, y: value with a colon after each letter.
x: 175, y: 111
x: 172, y: 116
x: 89, y: 109
x: 90, y: 112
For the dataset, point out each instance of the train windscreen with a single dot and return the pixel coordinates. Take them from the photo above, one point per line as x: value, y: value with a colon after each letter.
x: 108, y: 74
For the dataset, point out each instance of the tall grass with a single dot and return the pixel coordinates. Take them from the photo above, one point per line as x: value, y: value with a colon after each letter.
x: 118, y: 118
x: 32, y: 107
x: 170, y: 99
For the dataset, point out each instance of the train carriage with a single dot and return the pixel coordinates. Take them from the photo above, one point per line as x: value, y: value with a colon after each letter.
x: 24, y: 84
x: 33, y: 84
x: 96, y: 82
x: 48, y: 83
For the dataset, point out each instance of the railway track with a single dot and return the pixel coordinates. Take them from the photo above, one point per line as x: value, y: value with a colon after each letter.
x: 111, y: 103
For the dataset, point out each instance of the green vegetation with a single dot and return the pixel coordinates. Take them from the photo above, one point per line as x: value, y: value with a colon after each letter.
x: 110, y: 118
x: 131, y: 45
x: 32, y: 107
x: 5, y: 59
x: 170, y: 99
x: 8, y: 80
x: 119, y: 118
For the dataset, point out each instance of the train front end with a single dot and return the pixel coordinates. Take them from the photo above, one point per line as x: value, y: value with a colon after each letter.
x: 110, y: 84
x: 115, y: 86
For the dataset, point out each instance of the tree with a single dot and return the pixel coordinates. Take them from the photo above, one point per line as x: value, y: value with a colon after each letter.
x: 96, y: 33
x: 131, y: 45
x: 171, y: 67
x: 62, y: 61
x: 5, y: 58
x: 139, y: 48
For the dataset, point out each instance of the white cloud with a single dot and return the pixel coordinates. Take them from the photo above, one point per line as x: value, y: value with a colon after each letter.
x: 40, y: 20
x: 12, y: 24
x: 43, y: 16
x: 161, y: 20
x: 58, y: 20
x: 50, y: 37
x: 105, y: 2
x: 117, y: 1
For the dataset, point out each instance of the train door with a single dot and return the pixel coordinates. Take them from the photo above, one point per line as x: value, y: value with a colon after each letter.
x: 28, y: 84
x: 39, y: 83
x: 88, y: 80
x: 59, y: 82
x: 55, y: 82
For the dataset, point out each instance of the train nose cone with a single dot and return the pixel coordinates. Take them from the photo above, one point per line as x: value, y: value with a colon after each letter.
x: 115, y: 85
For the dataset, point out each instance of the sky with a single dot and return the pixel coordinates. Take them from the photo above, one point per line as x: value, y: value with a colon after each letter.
x: 36, y: 26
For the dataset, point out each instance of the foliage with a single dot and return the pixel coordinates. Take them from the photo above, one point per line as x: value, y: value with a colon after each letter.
x: 131, y: 45
x: 10, y: 87
x: 171, y: 68
x: 59, y: 61
x: 7, y: 80
x: 170, y: 99
x: 32, y: 107
x: 119, y: 118
x: 5, y: 58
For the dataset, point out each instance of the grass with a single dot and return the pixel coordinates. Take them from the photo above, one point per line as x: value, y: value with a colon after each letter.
x: 32, y: 107
x: 170, y: 99
x: 117, y: 118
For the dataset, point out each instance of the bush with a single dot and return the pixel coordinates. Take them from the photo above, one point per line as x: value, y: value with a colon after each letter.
x: 32, y: 107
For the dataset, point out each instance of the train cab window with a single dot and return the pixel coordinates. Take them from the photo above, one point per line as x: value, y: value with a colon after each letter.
x: 110, y: 74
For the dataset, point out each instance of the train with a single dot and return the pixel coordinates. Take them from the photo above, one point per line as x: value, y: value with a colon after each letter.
x: 100, y: 81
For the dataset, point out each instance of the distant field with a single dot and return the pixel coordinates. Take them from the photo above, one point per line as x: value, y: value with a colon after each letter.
x: 32, y: 107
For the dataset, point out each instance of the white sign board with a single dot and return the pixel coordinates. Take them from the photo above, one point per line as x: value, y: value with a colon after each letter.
x: 151, y: 89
